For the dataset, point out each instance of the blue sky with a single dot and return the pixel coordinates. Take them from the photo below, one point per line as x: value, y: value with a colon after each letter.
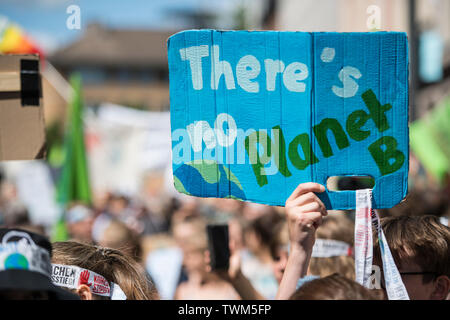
x: 45, y: 20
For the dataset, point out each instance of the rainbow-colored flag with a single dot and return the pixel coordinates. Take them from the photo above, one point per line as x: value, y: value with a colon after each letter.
x: 13, y: 39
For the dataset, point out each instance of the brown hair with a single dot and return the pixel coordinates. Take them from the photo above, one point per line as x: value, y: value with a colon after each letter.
x: 335, y: 226
x: 334, y: 287
x: 267, y: 227
x: 281, y: 238
x: 421, y: 240
x: 112, y: 264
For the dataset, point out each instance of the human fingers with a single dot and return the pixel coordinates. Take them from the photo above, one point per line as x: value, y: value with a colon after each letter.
x: 301, y: 219
x: 207, y: 259
x: 305, y: 188
x: 307, y: 198
x: 232, y: 246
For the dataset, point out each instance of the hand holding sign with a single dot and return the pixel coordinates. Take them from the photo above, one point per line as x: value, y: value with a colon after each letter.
x: 304, y: 212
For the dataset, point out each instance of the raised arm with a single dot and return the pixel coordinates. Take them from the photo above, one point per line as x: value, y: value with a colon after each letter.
x: 304, y: 211
x: 239, y: 281
x: 236, y: 278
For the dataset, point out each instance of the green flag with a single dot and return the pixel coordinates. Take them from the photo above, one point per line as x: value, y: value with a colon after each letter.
x: 73, y: 183
x: 430, y: 140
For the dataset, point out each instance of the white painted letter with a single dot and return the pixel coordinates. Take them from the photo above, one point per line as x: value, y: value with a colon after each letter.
x: 295, y: 72
x: 273, y: 67
x: 248, y: 68
x: 350, y: 86
x: 327, y: 54
x: 218, y: 68
x: 194, y: 55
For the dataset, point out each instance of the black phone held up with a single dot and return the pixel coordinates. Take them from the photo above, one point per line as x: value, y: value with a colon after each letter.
x: 218, y: 246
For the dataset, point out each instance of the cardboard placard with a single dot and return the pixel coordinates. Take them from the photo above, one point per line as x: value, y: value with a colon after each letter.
x: 22, y: 128
x: 254, y: 114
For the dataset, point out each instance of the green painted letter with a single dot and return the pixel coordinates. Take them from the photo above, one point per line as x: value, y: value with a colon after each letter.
x: 376, y: 110
x: 259, y: 161
x: 354, y: 122
x: 310, y: 157
x: 383, y: 155
x: 320, y: 131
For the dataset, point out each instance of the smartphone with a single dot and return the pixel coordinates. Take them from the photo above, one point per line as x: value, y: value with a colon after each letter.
x: 218, y: 246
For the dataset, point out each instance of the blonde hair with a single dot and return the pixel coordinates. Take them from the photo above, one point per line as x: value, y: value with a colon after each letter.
x: 336, y: 226
x: 112, y: 264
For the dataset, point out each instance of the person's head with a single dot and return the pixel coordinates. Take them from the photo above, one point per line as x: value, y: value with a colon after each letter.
x: 113, y: 265
x: 190, y: 236
x: 15, y: 214
x: 334, y: 287
x: 261, y: 233
x: 117, y: 204
x: 335, y: 226
x: 187, y: 208
x: 224, y: 205
x: 190, y: 232
x: 79, y: 221
x: 420, y: 247
x: 118, y: 236
x: 236, y: 226
x: 8, y: 192
x: 25, y: 267
x: 251, y: 211
x: 34, y: 228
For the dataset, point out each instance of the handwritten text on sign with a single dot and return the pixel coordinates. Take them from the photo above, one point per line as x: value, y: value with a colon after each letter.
x: 255, y: 113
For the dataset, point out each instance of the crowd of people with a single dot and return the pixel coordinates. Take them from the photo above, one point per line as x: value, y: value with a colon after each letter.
x: 157, y: 248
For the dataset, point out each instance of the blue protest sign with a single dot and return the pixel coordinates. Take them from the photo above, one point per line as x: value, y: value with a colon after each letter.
x: 254, y: 114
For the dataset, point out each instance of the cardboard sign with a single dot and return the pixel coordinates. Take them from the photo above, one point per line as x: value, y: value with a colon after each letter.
x: 254, y: 114
x: 22, y: 130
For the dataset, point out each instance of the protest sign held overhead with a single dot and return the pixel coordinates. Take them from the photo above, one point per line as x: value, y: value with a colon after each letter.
x: 254, y: 114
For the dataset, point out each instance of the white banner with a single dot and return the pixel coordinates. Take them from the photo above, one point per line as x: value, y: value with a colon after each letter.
x: 365, y: 217
x: 123, y: 144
